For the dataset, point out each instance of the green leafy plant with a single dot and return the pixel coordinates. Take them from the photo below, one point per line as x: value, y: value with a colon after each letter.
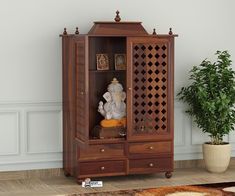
x: 211, y: 96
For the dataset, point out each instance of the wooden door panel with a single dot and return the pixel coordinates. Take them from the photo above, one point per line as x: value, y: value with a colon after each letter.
x: 82, y: 132
x: 148, y: 64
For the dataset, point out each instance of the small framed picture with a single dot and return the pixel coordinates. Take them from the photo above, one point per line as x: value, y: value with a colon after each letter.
x: 120, y: 61
x: 102, y: 61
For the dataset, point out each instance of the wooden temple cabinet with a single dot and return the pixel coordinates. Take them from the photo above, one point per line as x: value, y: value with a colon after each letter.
x: 149, y: 84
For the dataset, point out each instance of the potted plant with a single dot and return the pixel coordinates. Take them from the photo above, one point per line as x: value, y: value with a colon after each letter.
x: 211, y: 98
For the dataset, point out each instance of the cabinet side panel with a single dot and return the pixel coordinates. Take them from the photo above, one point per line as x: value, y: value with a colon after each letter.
x: 171, y: 66
x: 68, y: 105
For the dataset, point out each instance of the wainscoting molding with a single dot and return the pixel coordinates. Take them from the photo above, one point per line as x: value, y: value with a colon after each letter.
x: 43, y: 125
x: 27, y: 174
x: 189, y: 138
x: 198, y: 163
x: 10, y: 132
x: 31, y: 135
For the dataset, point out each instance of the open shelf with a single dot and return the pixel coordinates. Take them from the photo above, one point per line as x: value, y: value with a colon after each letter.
x: 105, y: 45
x: 107, y: 71
x: 100, y: 79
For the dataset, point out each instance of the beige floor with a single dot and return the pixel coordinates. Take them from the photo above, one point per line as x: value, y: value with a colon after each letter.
x: 61, y: 185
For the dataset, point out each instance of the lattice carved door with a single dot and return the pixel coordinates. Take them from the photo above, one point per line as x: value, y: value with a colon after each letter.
x: 148, y: 66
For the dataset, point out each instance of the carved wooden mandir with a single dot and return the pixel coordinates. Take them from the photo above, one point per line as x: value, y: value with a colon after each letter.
x: 149, y: 84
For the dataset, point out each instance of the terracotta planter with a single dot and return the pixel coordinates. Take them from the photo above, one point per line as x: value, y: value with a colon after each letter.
x: 216, y: 157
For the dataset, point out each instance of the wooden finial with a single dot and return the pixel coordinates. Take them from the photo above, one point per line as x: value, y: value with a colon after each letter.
x: 117, y: 18
x: 65, y: 32
x: 170, y: 32
x: 154, y: 32
x: 76, y: 32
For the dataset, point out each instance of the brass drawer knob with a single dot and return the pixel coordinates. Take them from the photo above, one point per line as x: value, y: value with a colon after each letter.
x: 81, y: 93
x: 101, y: 150
x: 151, y: 164
x: 151, y: 147
x: 102, y: 168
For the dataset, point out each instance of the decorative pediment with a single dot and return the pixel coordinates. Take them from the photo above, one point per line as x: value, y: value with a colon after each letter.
x: 117, y: 28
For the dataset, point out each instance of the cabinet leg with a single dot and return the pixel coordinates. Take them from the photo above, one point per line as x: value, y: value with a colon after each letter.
x: 67, y: 174
x: 86, y: 180
x: 80, y: 180
x: 168, y: 174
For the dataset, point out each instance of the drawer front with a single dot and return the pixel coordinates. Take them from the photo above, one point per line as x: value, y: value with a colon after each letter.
x: 102, y: 151
x: 150, y: 165
x: 150, y: 147
x: 102, y: 167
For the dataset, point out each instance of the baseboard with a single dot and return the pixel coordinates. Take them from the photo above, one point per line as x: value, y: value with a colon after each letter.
x: 47, y: 173
x: 26, y: 174
x: 198, y: 163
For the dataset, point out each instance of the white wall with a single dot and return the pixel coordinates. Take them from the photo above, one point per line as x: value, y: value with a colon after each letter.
x: 30, y: 66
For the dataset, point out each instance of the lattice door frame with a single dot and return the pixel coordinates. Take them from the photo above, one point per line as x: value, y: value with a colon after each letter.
x: 150, y: 88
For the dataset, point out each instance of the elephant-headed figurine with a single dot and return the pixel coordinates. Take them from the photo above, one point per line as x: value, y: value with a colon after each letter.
x: 115, y: 107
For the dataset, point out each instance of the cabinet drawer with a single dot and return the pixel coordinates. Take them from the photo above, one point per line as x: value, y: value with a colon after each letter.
x: 150, y: 165
x: 150, y: 147
x: 102, y: 167
x: 102, y: 151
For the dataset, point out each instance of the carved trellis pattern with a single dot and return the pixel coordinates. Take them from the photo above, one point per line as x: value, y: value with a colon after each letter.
x: 149, y: 88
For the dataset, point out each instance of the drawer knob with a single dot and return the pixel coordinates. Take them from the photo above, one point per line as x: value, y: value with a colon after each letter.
x: 151, y: 147
x: 81, y: 93
x: 102, y: 168
x: 101, y: 150
x: 151, y: 164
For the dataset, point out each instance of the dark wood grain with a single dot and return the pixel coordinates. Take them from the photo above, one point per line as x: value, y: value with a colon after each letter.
x: 149, y: 84
x: 150, y: 147
x: 81, y: 85
x: 102, y: 151
x: 102, y: 167
x: 150, y: 165
x: 149, y: 68
x: 118, y: 28
x: 69, y: 121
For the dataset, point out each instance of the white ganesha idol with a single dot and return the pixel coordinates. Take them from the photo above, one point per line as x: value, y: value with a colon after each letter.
x: 115, y: 107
